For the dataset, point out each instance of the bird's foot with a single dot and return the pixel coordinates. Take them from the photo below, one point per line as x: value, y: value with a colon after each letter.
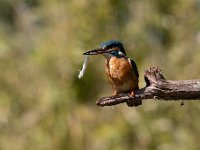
x: 132, y: 94
x: 118, y: 94
x: 115, y: 93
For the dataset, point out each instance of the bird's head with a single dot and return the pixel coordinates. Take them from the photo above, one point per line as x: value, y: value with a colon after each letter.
x: 109, y: 49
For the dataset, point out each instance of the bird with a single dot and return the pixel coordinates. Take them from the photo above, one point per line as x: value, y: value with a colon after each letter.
x: 121, y: 70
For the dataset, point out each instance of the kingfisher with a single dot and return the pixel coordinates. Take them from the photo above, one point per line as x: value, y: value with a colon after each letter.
x: 122, y: 71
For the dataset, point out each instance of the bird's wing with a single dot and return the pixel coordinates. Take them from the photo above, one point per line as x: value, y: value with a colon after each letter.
x: 134, y: 67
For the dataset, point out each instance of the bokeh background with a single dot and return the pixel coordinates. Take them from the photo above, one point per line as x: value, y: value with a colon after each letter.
x: 44, y: 106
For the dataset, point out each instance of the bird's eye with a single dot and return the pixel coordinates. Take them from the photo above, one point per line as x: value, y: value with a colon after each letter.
x: 114, y: 52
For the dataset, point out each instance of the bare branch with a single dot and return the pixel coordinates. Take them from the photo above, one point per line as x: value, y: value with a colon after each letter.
x: 157, y: 88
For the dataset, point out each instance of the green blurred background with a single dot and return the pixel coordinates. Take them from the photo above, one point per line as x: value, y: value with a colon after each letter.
x: 44, y: 106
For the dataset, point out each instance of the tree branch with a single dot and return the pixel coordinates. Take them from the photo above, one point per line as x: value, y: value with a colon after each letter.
x: 157, y: 88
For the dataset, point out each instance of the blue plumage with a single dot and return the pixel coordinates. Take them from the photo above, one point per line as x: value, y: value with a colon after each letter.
x: 113, y: 43
x: 134, y: 66
x: 110, y: 42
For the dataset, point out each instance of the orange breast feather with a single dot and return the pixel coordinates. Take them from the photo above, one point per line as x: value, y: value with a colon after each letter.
x: 121, y: 75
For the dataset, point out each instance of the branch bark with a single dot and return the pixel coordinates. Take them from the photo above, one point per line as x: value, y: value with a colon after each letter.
x: 157, y: 88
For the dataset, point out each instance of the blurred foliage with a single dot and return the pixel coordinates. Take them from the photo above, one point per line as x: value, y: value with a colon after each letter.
x: 44, y: 106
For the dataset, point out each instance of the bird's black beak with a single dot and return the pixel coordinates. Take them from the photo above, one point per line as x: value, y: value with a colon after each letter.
x: 95, y: 52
